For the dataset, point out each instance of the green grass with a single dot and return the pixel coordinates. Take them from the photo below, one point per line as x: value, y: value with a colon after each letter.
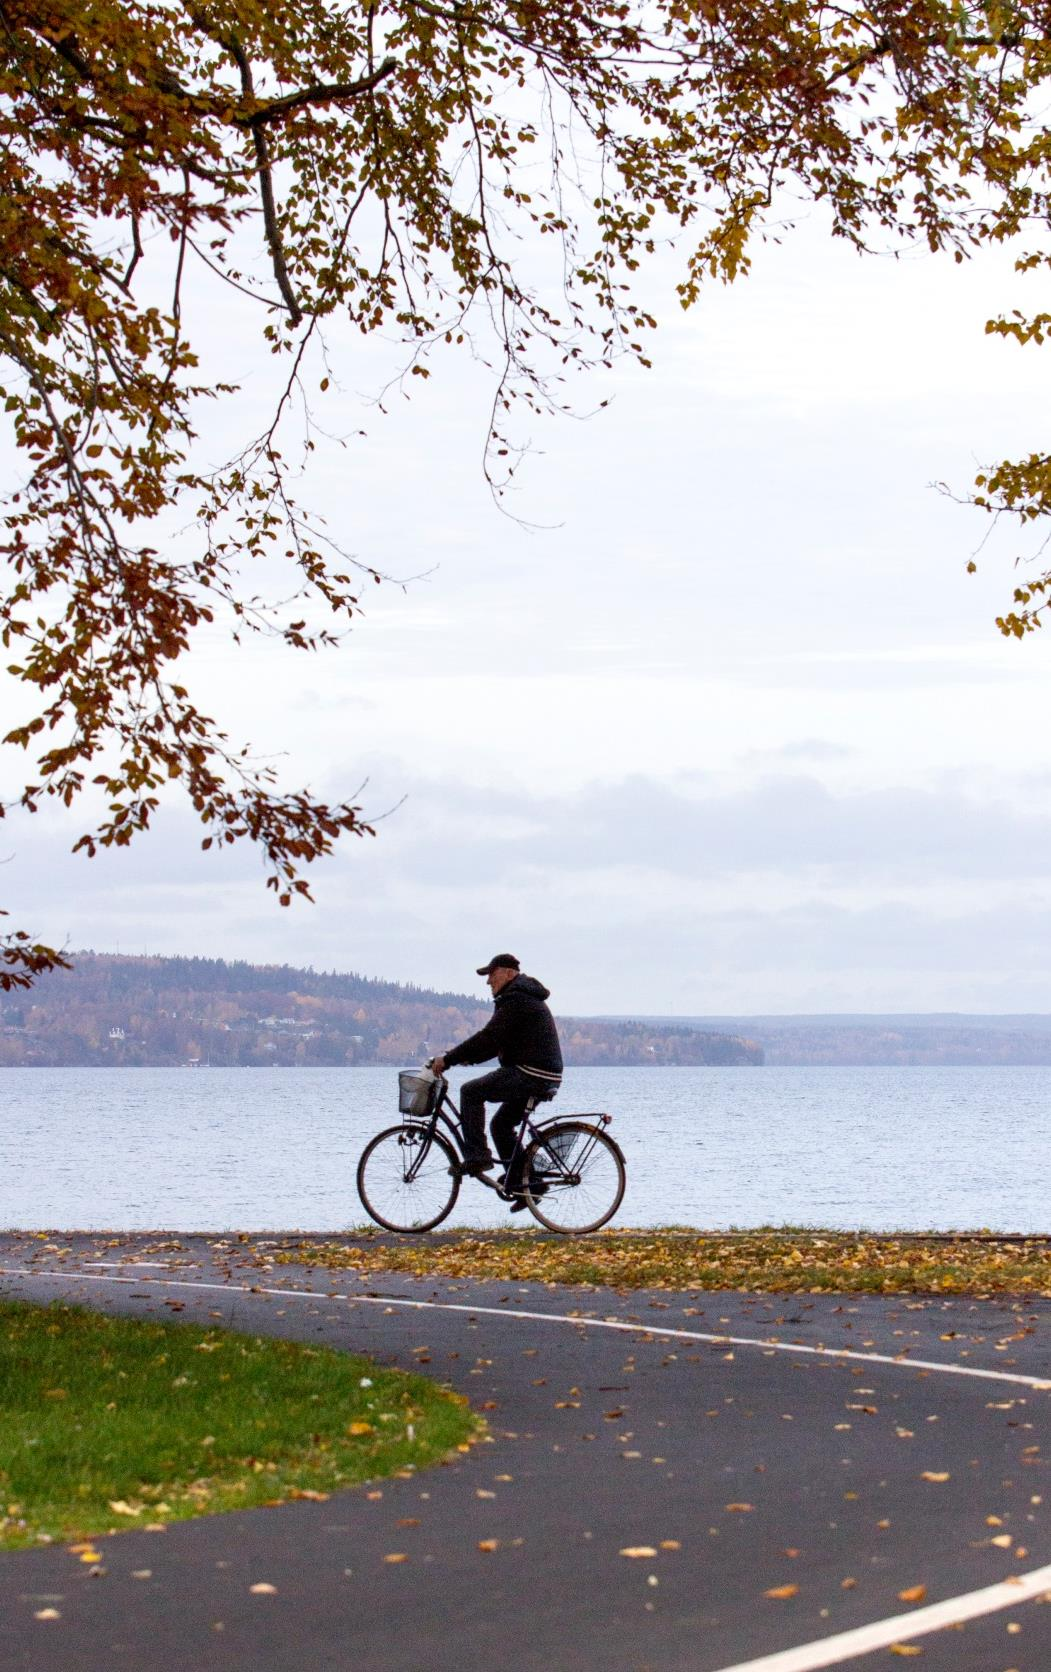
x: 110, y: 1423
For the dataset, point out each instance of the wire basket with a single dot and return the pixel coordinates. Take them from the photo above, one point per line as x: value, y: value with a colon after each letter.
x: 416, y: 1091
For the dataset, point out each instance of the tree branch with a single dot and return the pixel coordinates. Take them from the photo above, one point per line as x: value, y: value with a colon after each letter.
x: 277, y: 108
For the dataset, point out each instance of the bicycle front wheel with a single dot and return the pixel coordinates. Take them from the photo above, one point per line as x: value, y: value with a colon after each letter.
x: 406, y: 1178
x: 574, y: 1178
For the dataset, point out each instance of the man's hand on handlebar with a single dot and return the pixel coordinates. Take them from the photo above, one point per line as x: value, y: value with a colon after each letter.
x: 438, y: 1065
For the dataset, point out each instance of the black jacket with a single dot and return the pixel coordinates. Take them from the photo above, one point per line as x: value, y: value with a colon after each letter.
x: 522, y: 1032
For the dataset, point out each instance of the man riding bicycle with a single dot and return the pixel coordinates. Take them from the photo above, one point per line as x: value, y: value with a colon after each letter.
x: 523, y: 1036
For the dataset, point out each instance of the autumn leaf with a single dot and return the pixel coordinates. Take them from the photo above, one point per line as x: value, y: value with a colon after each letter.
x: 780, y: 1592
x: 905, y: 1649
x: 489, y: 1545
x: 931, y: 1474
x: 396, y: 1556
x: 637, y: 1550
x: 262, y: 1589
x: 915, y: 1593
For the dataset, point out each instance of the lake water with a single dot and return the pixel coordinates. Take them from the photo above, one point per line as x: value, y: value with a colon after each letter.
x: 247, y: 1149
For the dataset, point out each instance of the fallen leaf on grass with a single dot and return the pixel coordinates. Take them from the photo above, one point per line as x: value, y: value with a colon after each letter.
x: 781, y: 1591
x: 359, y: 1428
x: 119, y: 1507
x: 915, y: 1593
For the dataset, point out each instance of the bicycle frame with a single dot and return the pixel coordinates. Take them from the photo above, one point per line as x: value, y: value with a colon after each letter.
x: 529, y: 1132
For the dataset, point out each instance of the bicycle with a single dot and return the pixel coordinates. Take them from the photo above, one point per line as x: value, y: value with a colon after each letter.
x: 409, y: 1176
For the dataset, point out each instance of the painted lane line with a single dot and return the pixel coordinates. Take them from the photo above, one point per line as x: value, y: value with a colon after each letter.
x: 847, y: 1645
x: 847, y: 1354
x: 131, y: 1265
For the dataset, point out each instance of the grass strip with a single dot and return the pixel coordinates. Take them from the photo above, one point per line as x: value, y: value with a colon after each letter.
x: 115, y: 1423
x: 766, y: 1261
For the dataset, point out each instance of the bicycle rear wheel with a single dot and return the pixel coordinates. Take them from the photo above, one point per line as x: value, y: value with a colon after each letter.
x: 406, y: 1178
x: 574, y: 1177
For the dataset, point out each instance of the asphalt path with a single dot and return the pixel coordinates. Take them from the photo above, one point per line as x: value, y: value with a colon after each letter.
x: 813, y: 1476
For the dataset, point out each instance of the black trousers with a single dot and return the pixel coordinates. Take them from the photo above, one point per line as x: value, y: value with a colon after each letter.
x: 512, y: 1090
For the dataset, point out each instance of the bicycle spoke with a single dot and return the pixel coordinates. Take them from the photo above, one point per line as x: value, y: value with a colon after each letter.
x: 404, y: 1179
x: 577, y: 1176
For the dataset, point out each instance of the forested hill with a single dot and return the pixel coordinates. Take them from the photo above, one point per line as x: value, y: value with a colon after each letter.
x: 114, y: 1011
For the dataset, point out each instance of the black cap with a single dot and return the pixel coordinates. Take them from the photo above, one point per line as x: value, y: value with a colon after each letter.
x: 502, y: 961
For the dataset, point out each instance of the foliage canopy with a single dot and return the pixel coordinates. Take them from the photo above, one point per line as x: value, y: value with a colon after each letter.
x: 389, y: 164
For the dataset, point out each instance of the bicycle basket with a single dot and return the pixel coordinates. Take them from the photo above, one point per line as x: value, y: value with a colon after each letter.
x: 416, y: 1091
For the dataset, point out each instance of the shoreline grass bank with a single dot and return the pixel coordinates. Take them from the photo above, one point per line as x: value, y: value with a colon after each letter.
x: 776, y: 1261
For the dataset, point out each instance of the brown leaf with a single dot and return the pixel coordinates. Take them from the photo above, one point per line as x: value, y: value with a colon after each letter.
x: 781, y: 1591
x: 915, y: 1593
x: 488, y: 1545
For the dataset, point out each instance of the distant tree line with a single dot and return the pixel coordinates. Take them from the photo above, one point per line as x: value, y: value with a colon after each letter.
x: 119, y: 1011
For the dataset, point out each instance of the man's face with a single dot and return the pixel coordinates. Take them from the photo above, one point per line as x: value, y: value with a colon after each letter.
x: 498, y: 979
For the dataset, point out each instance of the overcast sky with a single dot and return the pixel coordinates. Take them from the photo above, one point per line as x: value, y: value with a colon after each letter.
x: 731, y: 731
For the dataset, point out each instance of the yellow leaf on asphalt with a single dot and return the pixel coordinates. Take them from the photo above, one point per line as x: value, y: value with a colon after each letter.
x: 489, y: 1544
x: 47, y: 1614
x: 915, y: 1593
x: 670, y: 1544
x: 263, y: 1590
x: 308, y: 1492
x: 1002, y: 1541
x: 638, y: 1550
x: 93, y: 1555
x: 396, y: 1556
x: 905, y: 1649
x: 931, y: 1474
x: 741, y: 1509
x: 781, y: 1591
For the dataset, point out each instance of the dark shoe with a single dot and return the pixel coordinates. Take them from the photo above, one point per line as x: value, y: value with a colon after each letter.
x: 518, y: 1204
x: 477, y: 1162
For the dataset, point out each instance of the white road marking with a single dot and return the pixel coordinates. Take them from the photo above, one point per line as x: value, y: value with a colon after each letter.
x: 806, y: 1657
x: 901, y: 1360
x: 847, y: 1645
x: 132, y: 1265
